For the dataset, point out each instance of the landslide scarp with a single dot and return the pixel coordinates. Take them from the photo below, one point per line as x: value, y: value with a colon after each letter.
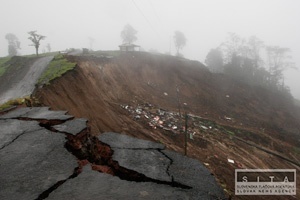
x: 145, y: 95
x: 99, y: 85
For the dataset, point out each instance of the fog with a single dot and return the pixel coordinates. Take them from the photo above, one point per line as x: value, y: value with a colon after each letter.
x: 70, y: 24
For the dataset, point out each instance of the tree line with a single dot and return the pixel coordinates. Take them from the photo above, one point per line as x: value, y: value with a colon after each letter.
x: 251, y: 61
x: 14, y: 44
x: 128, y: 35
x: 238, y: 57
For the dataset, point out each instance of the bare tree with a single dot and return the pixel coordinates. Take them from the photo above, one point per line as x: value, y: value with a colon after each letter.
x: 255, y: 46
x: 13, y: 44
x: 179, y: 40
x: 244, y: 62
x: 242, y: 54
x: 278, y: 61
x: 128, y: 34
x: 233, y: 47
x: 36, y: 38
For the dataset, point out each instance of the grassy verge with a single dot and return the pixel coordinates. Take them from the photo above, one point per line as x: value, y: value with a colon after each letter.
x: 27, y: 100
x: 57, y: 67
x: 106, y: 53
x: 13, y: 102
x: 3, y: 65
x: 42, y: 54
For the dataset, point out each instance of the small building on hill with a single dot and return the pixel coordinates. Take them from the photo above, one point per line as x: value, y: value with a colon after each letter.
x: 129, y: 47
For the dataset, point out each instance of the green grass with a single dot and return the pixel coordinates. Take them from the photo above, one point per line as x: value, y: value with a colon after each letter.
x: 3, y: 66
x: 106, y: 53
x: 42, y: 54
x: 13, y: 102
x: 230, y: 133
x: 57, y: 67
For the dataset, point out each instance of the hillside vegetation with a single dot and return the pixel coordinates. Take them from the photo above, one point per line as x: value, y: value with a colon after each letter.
x: 57, y: 67
x: 3, y: 65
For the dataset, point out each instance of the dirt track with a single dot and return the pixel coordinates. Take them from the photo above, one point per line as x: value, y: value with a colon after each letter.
x: 20, y: 81
x: 98, y: 88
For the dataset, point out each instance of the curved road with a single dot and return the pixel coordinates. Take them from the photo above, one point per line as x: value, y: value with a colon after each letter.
x: 26, y: 85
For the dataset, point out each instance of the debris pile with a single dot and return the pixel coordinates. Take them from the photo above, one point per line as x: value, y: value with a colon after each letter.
x: 174, y: 122
x: 156, y: 117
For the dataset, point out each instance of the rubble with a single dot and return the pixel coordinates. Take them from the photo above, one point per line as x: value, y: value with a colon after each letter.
x: 227, y: 118
x: 156, y: 117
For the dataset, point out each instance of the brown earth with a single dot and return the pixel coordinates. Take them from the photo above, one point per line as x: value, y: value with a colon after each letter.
x: 142, y: 95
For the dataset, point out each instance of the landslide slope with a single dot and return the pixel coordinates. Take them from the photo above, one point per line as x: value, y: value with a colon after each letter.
x: 142, y: 94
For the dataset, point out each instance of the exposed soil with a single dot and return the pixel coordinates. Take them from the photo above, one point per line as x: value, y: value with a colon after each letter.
x: 237, y: 118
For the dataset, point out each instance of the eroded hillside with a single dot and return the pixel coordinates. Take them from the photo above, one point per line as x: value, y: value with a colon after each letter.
x: 142, y: 95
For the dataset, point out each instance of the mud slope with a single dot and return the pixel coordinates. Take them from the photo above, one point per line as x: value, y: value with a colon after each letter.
x: 228, y: 119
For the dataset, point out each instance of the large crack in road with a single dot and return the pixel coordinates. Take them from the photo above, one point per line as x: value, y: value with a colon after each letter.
x: 100, y: 155
x: 129, y: 159
x: 47, y: 192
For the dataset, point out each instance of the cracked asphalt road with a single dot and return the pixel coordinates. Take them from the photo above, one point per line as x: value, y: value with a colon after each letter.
x: 32, y: 158
x: 34, y: 163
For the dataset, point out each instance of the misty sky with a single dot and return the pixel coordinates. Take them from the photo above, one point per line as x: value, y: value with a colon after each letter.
x: 205, y: 23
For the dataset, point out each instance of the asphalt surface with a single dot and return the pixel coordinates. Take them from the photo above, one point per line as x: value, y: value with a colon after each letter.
x: 32, y: 158
x: 24, y: 85
x: 34, y: 164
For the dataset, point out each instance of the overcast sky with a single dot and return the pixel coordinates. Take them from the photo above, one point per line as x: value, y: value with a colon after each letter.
x: 205, y: 23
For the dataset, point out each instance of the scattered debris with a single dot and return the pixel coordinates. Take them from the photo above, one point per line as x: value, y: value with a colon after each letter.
x: 191, y: 136
x: 230, y: 161
x: 159, y: 118
x: 156, y: 118
x: 227, y: 118
x: 138, y: 111
x: 195, y: 116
